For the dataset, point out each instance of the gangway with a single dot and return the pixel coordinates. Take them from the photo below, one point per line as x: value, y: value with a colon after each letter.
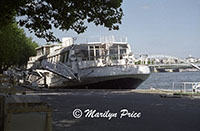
x: 59, y: 69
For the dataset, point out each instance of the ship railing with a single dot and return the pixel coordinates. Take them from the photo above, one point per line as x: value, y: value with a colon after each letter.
x: 186, y: 87
x: 101, y: 39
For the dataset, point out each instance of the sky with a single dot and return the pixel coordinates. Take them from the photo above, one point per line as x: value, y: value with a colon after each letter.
x: 154, y: 27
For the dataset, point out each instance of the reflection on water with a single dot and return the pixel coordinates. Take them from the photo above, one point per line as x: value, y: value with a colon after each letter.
x: 165, y: 80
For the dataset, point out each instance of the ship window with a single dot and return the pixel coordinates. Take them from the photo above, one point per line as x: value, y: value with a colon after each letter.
x: 96, y: 47
x: 123, y: 46
x: 114, y: 57
x: 84, y: 54
x: 122, y: 51
x: 39, y: 51
x: 66, y: 56
x: 47, y: 50
x: 77, y: 52
x: 54, y: 58
x: 91, y: 54
x: 62, y: 58
x: 114, y: 52
x: 97, y: 54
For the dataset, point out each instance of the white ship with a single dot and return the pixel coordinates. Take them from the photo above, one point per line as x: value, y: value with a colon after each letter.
x: 104, y: 64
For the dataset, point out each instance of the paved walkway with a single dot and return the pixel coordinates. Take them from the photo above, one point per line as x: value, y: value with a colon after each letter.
x: 143, y: 111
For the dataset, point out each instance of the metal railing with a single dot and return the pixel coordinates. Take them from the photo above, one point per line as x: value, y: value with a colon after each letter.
x: 101, y: 39
x: 185, y: 87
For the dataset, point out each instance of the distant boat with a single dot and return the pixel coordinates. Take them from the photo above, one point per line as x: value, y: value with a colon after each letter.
x: 104, y: 64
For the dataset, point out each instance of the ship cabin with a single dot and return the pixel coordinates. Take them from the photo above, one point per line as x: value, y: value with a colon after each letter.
x: 93, y: 54
x: 86, y: 55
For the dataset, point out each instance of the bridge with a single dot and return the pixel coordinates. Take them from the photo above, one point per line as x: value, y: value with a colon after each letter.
x: 163, y: 63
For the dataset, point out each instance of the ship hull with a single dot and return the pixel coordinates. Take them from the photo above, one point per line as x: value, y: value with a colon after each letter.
x: 123, y: 83
x: 111, y: 77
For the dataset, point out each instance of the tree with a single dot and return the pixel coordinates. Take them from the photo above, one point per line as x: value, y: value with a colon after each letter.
x: 15, y: 47
x: 40, y: 16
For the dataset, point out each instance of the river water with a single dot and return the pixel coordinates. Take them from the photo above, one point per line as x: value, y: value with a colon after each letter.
x: 165, y: 80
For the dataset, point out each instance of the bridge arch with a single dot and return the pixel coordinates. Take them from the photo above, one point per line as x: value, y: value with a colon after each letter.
x: 165, y: 59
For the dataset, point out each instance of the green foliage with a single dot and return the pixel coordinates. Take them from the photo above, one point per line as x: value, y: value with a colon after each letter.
x: 39, y: 16
x: 15, y: 47
x: 138, y: 62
